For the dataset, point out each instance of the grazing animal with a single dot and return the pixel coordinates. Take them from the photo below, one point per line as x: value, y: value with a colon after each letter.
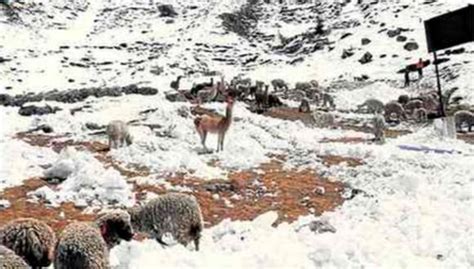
x: 378, y: 125
x: 261, y: 99
x: 31, y: 239
x: 412, y: 105
x: 403, y: 99
x: 208, y: 94
x: 198, y: 87
x: 394, y: 108
x: 117, y: 132
x: 304, y: 106
x: 464, y: 117
x: 323, y: 119
x: 328, y: 100
x: 373, y: 106
x: 175, y: 213
x: 215, y: 124
x: 304, y: 86
x: 175, y: 84
x: 84, y: 245
x: 429, y: 102
x: 274, y: 101
x: 279, y: 84
x: 420, y: 114
x: 9, y: 260
x: 314, y: 83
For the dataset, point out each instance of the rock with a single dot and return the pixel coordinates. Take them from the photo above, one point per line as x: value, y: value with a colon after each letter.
x: 36, y: 110
x: 167, y: 11
x: 175, y: 97
x: 410, y: 46
x: 3, y: 60
x: 5, y: 99
x: 347, y: 53
x: 94, y: 126
x: 401, y: 38
x: 394, y: 33
x: 46, y: 128
x: 455, y: 51
x: 366, y: 58
x: 345, y: 35
x: 133, y: 89
x: 215, y: 187
x: 184, y: 112
x: 365, y: 41
x: 321, y: 226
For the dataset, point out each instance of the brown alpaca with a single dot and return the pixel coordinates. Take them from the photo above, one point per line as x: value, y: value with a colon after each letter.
x: 215, y: 124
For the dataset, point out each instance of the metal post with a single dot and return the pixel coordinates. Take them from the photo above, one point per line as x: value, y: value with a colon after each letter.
x: 440, y: 93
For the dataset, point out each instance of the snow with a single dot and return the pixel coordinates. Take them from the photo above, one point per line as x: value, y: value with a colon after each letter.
x: 417, y: 212
x: 87, y: 182
x: 20, y: 161
x: 416, y: 208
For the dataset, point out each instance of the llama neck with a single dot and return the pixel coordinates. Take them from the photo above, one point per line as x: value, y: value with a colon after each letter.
x: 228, y: 112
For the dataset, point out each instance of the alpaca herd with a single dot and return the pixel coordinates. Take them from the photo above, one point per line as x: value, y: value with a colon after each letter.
x: 419, y: 108
x: 30, y: 243
x: 259, y: 98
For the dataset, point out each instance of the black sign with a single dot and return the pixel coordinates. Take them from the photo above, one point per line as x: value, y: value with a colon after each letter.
x: 450, y: 29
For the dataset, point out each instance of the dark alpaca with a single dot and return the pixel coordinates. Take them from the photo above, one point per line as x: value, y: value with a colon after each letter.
x: 175, y: 83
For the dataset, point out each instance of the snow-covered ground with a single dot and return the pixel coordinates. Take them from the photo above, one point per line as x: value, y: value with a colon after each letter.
x: 417, y: 209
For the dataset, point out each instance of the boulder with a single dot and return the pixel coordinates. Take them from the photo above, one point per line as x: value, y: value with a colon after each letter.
x: 410, y: 46
x: 167, y: 11
x: 366, y: 58
x: 401, y: 38
x: 37, y: 110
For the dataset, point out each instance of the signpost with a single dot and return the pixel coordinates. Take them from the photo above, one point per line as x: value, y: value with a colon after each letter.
x: 448, y: 30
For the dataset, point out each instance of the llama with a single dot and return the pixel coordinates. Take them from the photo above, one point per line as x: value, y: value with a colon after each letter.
x: 215, y: 124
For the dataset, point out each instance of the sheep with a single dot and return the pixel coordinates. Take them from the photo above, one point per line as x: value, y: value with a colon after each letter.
x: 394, y: 108
x: 279, y: 84
x: 420, y: 114
x: 378, y: 124
x: 175, y: 213
x: 303, y: 86
x: 31, y: 239
x: 411, y: 105
x: 429, y: 102
x: 117, y: 132
x: 84, y: 245
x: 9, y: 260
x: 323, y: 119
x: 328, y: 100
x: 304, y: 106
x: 466, y: 117
x: 373, y: 106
